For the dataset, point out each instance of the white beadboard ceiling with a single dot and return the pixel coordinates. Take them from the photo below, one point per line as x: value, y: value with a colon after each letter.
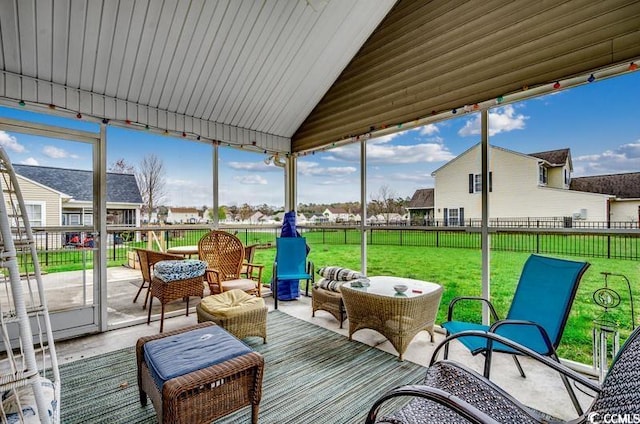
x: 298, y: 75
x: 237, y: 71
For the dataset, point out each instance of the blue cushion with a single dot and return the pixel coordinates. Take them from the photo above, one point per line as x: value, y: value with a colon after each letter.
x: 181, y: 354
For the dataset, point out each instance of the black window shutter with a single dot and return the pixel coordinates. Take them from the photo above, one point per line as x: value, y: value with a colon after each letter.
x: 490, y: 182
x: 461, y: 217
x: 446, y: 217
x: 470, y: 183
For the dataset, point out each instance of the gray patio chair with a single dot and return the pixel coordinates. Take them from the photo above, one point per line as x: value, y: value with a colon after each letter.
x: 453, y: 393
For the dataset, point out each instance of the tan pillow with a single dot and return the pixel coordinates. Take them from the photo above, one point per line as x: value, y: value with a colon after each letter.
x: 230, y: 303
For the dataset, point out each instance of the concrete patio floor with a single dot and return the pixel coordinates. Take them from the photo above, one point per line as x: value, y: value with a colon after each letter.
x: 542, y: 389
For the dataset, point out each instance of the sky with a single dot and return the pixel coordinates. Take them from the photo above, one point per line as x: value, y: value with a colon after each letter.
x: 599, y: 122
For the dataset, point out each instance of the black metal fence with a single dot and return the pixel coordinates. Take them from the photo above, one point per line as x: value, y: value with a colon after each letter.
x: 610, y: 243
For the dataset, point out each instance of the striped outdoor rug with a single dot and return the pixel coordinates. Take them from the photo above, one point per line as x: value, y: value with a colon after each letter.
x: 312, y: 375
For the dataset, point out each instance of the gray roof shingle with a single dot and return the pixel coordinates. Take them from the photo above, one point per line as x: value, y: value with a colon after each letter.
x: 121, y: 188
x: 422, y: 199
x: 554, y: 157
x: 623, y: 186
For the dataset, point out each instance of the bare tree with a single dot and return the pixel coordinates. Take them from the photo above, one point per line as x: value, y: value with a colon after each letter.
x: 151, y: 181
x: 384, y: 202
x: 121, y: 166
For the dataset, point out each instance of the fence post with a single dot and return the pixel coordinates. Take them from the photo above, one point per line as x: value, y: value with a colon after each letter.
x: 608, y: 246
x: 345, y: 236
x: 401, y: 233
x: 46, y: 247
x: 537, y: 243
x: 437, y: 238
x: 324, y: 241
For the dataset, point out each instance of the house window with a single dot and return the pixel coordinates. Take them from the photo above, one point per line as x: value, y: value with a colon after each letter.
x: 542, y: 175
x: 73, y: 219
x: 453, y: 217
x: 87, y: 219
x: 567, y: 180
x: 475, y: 183
x: 35, y: 213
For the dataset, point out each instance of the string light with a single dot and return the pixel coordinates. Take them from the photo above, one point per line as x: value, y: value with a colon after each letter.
x: 454, y: 111
x: 591, y: 78
x: 166, y: 132
x: 79, y: 115
x: 499, y: 99
x: 476, y: 106
x: 525, y: 87
x: 198, y: 138
x: 633, y: 66
x: 128, y: 122
x: 556, y: 85
x: 105, y: 121
x: 146, y: 127
x: 21, y: 103
x: 184, y: 134
x: 52, y: 106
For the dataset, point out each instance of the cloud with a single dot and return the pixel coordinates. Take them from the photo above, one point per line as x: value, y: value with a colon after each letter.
x: 56, y: 153
x: 251, y: 179
x: 253, y: 166
x: 313, y: 169
x: 9, y: 142
x: 30, y: 161
x: 429, y: 129
x: 624, y: 158
x: 502, y: 119
x: 428, y: 152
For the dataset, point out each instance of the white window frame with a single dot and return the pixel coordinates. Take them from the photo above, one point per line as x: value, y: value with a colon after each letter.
x: 543, y: 175
x: 477, y: 183
x: 43, y: 212
x: 73, y: 219
x: 453, y: 222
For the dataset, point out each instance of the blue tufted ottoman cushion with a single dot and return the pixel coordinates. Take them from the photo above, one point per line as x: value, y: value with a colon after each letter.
x: 194, y: 350
x: 168, y: 271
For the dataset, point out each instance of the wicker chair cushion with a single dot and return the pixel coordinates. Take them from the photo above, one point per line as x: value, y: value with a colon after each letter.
x: 28, y: 402
x: 231, y: 303
x: 339, y: 274
x: 193, y: 350
x: 240, y: 284
x: 334, y: 285
x: 168, y: 271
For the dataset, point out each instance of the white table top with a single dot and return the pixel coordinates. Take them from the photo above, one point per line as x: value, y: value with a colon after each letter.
x: 183, y: 250
x: 383, y: 285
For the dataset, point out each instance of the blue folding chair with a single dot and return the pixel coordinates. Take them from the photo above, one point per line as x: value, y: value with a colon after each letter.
x: 536, y: 318
x: 291, y: 264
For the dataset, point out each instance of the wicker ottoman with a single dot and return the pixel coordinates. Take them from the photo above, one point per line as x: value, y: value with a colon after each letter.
x: 237, y: 312
x: 329, y: 301
x: 198, y: 374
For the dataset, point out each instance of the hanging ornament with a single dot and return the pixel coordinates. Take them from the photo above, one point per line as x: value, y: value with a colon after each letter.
x: 556, y: 85
x: 79, y: 115
x: 633, y: 66
x: 21, y: 103
x: 591, y: 78
x: 146, y: 127
x: 499, y: 100
x: 52, y: 106
x: 476, y: 106
x: 184, y: 134
x: 454, y: 111
x: 127, y: 121
x: 105, y: 121
x: 165, y: 132
x: 198, y: 138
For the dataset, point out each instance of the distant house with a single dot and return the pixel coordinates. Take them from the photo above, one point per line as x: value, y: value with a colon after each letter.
x: 336, y: 214
x: 420, y: 206
x: 520, y: 186
x: 58, y: 196
x: 183, y: 215
x: 625, y: 206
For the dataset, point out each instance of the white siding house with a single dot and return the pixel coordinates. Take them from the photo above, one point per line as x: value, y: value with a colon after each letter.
x: 520, y: 186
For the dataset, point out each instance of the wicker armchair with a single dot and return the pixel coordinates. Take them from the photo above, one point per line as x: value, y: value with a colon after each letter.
x: 453, y: 393
x: 250, y: 269
x: 224, y: 254
x: 147, y: 259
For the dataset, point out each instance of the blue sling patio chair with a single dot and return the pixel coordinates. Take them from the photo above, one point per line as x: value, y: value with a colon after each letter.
x: 291, y: 264
x: 537, y: 316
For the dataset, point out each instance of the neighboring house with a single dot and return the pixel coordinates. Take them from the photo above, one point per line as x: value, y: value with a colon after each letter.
x: 420, y: 207
x: 625, y: 206
x: 336, y: 214
x: 256, y: 218
x: 317, y: 219
x: 183, y: 215
x: 58, y: 197
x: 520, y: 186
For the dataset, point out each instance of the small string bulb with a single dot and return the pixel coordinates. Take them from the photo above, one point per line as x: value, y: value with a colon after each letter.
x: 21, y: 103
x: 79, y: 115
x: 105, y: 121
x: 499, y: 100
x: 633, y: 66
x: 127, y: 121
x: 454, y: 111
x: 556, y: 85
x: 591, y: 78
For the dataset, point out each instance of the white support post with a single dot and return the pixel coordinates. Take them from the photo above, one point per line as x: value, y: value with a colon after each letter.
x: 363, y: 203
x: 485, y: 237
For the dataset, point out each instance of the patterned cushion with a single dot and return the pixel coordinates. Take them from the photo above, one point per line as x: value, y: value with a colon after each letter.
x: 334, y: 285
x: 339, y: 274
x: 230, y: 303
x: 28, y: 403
x: 168, y: 271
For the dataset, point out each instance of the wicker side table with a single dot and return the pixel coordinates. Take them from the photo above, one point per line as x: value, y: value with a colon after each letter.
x: 329, y: 301
x: 206, y: 394
x: 398, y: 317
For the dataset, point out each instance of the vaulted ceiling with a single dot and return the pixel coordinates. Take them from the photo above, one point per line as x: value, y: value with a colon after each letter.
x: 296, y: 75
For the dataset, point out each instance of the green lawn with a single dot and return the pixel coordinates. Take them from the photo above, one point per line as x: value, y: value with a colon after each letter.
x: 459, y: 273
